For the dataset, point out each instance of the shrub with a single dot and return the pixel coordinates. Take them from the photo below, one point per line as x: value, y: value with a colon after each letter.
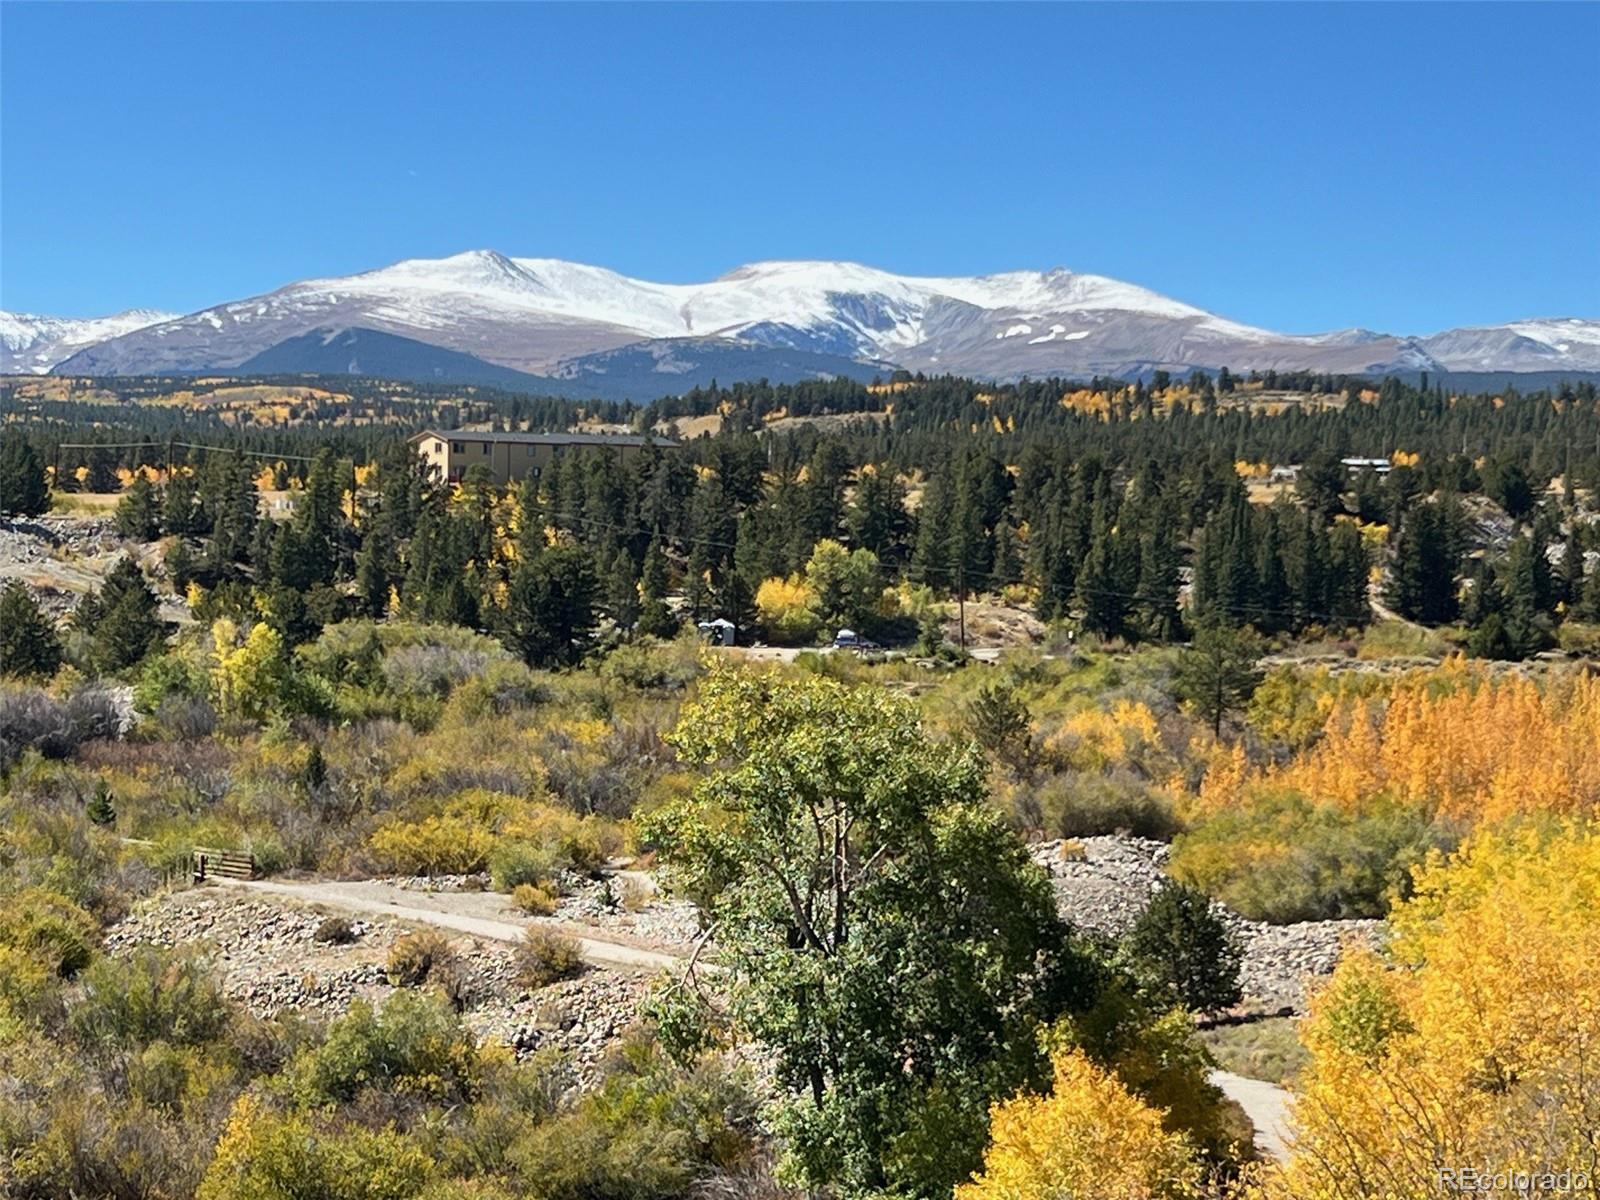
x: 650, y: 1131
x: 1091, y: 1136
x: 532, y: 899
x: 545, y: 956
x: 414, y: 1044
x: 787, y: 608
x: 151, y: 996
x: 335, y: 930
x: 652, y: 666
x: 442, y: 845
x: 1279, y: 858
x: 50, y: 929
x: 1077, y: 805
x: 265, y: 1154
x: 32, y: 718
x: 414, y: 958
x: 519, y: 864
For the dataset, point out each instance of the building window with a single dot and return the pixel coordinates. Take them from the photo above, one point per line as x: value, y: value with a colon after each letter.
x: 456, y: 447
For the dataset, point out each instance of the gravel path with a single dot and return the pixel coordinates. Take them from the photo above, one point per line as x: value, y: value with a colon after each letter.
x: 436, y: 908
x: 1267, y: 1106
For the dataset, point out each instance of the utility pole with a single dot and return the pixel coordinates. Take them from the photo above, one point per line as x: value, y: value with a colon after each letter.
x: 961, y: 602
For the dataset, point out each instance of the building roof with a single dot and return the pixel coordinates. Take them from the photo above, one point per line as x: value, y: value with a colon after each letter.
x: 544, y: 439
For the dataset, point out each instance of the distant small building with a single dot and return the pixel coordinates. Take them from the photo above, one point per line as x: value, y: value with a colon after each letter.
x: 1356, y: 465
x: 1286, y: 474
x: 514, y: 456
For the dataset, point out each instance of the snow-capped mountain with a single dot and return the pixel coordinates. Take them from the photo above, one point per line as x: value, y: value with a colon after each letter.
x: 560, y: 320
x: 32, y: 345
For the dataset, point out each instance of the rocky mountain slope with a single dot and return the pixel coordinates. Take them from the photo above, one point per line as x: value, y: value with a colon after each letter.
x: 555, y: 320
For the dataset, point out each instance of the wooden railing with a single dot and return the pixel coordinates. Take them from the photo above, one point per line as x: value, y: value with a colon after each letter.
x: 224, y: 864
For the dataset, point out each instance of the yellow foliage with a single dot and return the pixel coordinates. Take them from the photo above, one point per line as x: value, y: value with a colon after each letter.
x: 1251, y: 470
x: 1402, y: 458
x: 1095, y: 738
x: 1479, y: 750
x: 1474, y: 1048
x: 263, y: 1155
x: 787, y: 608
x: 1089, y: 1137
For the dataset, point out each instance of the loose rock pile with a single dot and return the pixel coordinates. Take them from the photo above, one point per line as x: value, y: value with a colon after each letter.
x: 269, y: 961
x: 1102, y: 884
x: 627, y: 905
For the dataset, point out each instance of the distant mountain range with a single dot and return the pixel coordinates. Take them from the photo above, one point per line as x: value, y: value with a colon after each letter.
x: 570, y: 329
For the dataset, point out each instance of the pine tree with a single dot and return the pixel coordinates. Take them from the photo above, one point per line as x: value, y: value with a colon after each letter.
x: 1422, y: 577
x: 139, y: 511
x: 179, y: 508
x: 877, y: 519
x: 375, y: 567
x: 1101, y: 594
x: 122, y: 618
x: 1321, y: 483
x: 101, y: 809
x: 549, y: 612
x: 1348, y: 576
x: 934, y: 556
x: 29, y: 647
x: 1269, y: 610
x: 102, y: 475
x: 23, y: 491
x: 1218, y: 673
x: 622, y: 592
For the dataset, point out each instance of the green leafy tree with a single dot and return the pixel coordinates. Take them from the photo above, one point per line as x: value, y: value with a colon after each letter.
x: 883, y: 933
x: 1182, y: 947
x: 847, y: 583
x: 23, y: 492
x: 29, y: 647
x: 1218, y: 673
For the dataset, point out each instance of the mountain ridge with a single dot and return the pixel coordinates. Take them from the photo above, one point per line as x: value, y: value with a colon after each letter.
x: 544, y: 317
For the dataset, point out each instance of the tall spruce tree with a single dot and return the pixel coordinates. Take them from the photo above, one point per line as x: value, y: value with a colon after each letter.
x: 23, y: 492
x: 29, y: 647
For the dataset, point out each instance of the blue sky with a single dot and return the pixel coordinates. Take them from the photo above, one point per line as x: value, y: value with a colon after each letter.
x: 1303, y: 167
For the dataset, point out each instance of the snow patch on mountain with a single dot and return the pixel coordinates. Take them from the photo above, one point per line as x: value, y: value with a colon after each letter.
x: 32, y: 344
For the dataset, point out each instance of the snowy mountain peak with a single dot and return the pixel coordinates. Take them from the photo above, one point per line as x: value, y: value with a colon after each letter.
x: 540, y: 315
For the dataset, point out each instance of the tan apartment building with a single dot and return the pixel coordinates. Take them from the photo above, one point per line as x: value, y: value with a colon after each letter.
x: 513, y: 456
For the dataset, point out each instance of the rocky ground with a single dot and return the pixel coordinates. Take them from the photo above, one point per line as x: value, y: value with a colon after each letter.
x: 1102, y: 884
x: 270, y: 962
x: 62, y: 556
x: 265, y: 949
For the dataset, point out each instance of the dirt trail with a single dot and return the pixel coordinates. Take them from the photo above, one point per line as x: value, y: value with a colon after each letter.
x: 1264, y: 1103
x: 1267, y: 1106
x: 430, y: 909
